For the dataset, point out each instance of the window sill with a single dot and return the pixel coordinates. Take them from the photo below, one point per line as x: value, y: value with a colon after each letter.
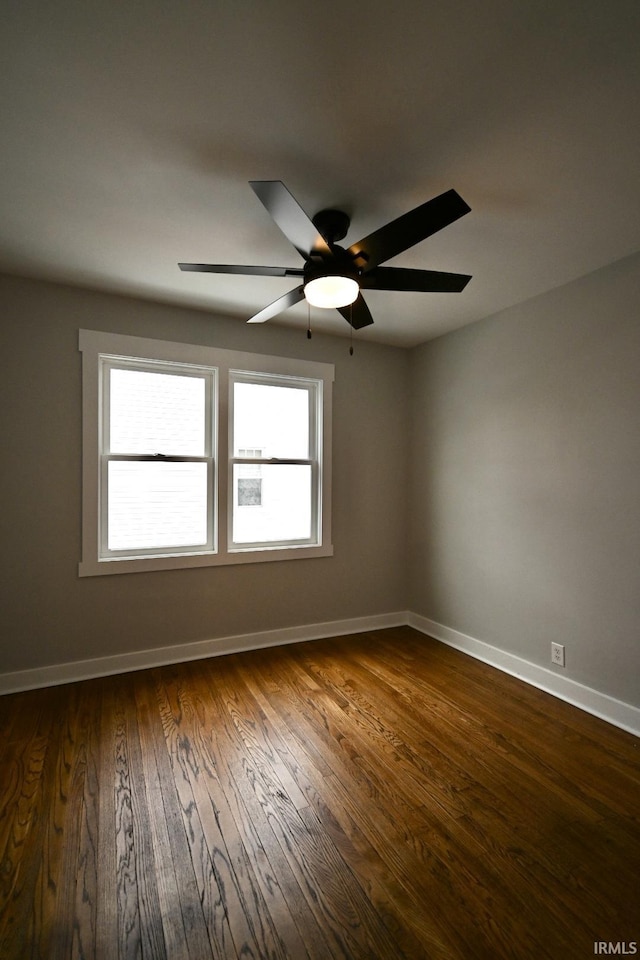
x: 119, y: 565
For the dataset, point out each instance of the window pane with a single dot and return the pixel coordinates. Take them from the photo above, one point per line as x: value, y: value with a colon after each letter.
x: 271, y: 419
x: 274, y: 506
x: 249, y: 491
x: 159, y: 505
x: 157, y: 413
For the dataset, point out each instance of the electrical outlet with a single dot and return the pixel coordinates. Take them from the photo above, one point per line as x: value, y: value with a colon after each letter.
x: 557, y: 654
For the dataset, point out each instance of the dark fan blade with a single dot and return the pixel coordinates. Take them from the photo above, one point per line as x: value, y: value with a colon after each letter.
x: 408, y: 230
x: 246, y: 271
x: 419, y: 281
x: 290, y: 217
x: 278, y: 306
x: 357, y: 313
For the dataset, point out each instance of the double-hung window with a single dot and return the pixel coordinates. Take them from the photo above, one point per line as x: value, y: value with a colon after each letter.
x: 194, y: 456
x: 157, y: 458
x: 275, y: 464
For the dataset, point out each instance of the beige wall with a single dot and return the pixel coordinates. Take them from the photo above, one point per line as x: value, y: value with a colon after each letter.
x: 525, y: 479
x: 51, y: 616
x: 488, y: 480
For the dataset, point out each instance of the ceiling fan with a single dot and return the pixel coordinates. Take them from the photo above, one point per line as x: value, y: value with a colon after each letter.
x: 333, y: 276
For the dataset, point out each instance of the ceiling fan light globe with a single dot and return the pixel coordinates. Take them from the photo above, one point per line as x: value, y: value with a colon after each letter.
x: 331, y: 291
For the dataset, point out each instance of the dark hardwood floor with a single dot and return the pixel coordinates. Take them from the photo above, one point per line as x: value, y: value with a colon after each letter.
x: 378, y: 796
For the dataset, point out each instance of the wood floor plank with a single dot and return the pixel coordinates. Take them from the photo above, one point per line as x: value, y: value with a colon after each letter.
x: 381, y: 832
x: 488, y: 737
x: 321, y: 788
x: 371, y: 796
x: 173, y: 847
x: 425, y: 829
x: 359, y: 796
x: 138, y: 895
x: 389, y: 733
x: 170, y: 896
x: 106, y: 917
x: 61, y: 870
x: 287, y: 841
x: 209, y: 882
x: 267, y: 748
x: 274, y: 911
x: 86, y: 793
x: 251, y: 926
x: 24, y: 815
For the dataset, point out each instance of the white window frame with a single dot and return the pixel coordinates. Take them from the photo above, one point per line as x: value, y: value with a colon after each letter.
x: 314, y: 388
x: 98, y: 351
x: 209, y: 375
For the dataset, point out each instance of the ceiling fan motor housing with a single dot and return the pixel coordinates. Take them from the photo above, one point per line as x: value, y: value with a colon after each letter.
x: 332, y: 225
x: 340, y: 265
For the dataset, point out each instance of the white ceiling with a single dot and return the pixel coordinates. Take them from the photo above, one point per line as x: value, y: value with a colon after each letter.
x: 130, y: 130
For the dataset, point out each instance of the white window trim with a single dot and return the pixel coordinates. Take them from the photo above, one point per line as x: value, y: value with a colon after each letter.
x: 94, y: 344
x: 314, y: 386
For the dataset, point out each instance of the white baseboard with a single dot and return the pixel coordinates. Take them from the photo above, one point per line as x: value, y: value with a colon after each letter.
x: 614, y: 711
x: 181, y: 653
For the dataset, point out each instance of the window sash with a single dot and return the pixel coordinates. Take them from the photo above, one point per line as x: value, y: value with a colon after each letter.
x: 172, y: 550
x: 314, y: 390
x: 107, y: 364
x: 208, y: 374
x: 271, y: 543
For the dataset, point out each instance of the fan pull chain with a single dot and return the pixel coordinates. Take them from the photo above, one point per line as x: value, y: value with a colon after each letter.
x: 308, y: 320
